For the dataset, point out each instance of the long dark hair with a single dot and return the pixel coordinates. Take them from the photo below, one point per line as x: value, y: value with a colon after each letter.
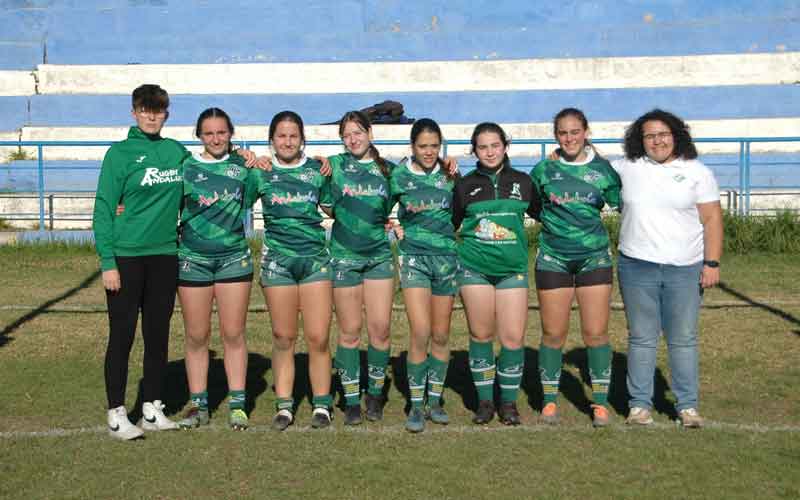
x: 362, y: 121
x: 490, y: 127
x: 214, y: 113
x: 428, y: 125
x: 681, y: 138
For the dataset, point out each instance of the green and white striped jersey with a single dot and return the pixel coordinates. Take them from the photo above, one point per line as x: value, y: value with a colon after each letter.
x: 425, y: 210
x: 359, y: 197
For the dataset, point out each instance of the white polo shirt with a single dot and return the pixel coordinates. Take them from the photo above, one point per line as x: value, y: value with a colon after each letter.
x: 660, y: 222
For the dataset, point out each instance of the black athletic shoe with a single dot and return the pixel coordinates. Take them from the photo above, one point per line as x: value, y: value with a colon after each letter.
x: 352, y: 415
x: 508, y: 413
x: 485, y: 413
x: 374, y: 407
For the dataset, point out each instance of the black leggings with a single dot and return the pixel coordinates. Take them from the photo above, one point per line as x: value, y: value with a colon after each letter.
x: 147, y: 283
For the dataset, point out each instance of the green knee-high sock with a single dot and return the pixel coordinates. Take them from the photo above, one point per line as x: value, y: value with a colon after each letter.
x: 550, y: 372
x: 377, y: 361
x: 284, y: 404
x: 437, y: 371
x: 348, y: 365
x: 236, y: 400
x: 325, y: 401
x: 481, y: 364
x: 600, y: 372
x: 199, y: 400
x: 416, y: 382
x: 510, y: 365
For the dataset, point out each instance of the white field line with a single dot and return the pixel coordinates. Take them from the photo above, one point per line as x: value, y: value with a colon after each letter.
x: 617, y: 306
x: 434, y: 429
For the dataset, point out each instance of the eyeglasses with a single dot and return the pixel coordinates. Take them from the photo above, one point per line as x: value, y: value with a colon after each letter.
x: 149, y: 112
x: 661, y: 136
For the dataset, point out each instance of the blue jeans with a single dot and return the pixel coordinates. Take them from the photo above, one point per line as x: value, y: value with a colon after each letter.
x: 661, y: 297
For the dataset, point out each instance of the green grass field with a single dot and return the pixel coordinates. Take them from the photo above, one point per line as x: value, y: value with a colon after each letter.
x: 53, y: 331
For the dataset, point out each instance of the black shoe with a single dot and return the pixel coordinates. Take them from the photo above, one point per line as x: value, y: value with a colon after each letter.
x: 282, y: 420
x: 352, y: 415
x: 374, y: 407
x: 321, y: 418
x: 485, y: 413
x: 508, y: 413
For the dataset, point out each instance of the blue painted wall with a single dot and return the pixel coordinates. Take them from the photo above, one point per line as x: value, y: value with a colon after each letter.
x: 173, y: 31
x: 464, y: 107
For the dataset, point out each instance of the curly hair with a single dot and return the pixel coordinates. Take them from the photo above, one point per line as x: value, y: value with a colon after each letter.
x: 634, y: 141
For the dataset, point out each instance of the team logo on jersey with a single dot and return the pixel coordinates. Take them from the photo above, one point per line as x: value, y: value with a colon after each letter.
x: 200, y: 177
x: 141, y: 159
x: 156, y: 176
x: 233, y: 172
x: 679, y: 177
x: 375, y: 171
x: 491, y: 231
x: 515, y: 194
x: 412, y: 261
x: 307, y: 176
x: 592, y: 176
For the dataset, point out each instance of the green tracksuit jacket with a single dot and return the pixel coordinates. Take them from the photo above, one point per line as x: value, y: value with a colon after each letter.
x: 144, y: 173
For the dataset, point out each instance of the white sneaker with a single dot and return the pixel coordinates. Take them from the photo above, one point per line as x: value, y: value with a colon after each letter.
x: 153, y: 418
x: 690, y: 418
x: 639, y: 416
x: 120, y: 427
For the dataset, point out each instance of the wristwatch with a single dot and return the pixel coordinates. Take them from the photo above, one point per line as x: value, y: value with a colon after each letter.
x: 711, y: 263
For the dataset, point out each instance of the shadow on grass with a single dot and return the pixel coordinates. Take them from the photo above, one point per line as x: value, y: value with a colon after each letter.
x: 5, y: 337
x: 176, y: 387
x: 794, y: 320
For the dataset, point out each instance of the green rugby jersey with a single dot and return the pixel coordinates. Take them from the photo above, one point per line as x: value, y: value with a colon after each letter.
x: 572, y: 196
x: 290, y: 196
x: 358, y: 193
x: 425, y: 210
x: 212, y: 220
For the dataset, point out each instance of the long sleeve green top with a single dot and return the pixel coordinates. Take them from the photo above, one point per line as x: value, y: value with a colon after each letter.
x: 144, y: 173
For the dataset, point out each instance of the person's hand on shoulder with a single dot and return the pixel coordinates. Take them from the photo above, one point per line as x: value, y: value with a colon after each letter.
x: 326, y: 168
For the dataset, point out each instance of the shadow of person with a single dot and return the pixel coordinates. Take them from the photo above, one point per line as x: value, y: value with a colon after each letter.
x: 176, y: 385
x: 459, y: 379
